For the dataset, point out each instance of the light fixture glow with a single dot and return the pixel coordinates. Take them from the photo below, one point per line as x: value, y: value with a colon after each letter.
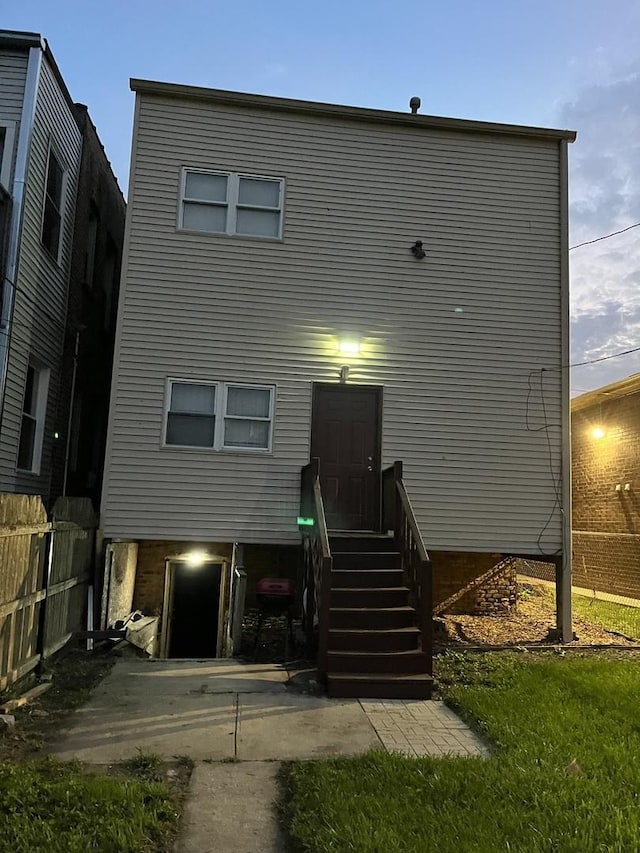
x: 349, y: 347
x: 195, y: 558
x: 597, y: 432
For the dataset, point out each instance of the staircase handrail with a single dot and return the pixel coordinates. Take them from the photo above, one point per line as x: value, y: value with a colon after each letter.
x: 398, y: 515
x: 317, y: 559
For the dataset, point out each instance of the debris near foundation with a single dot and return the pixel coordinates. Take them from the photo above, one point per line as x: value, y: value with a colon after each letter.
x: 532, y: 622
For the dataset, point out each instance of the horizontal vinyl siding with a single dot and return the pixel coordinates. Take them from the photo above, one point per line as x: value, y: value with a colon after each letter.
x: 41, y: 287
x: 13, y: 74
x: 456, y: 384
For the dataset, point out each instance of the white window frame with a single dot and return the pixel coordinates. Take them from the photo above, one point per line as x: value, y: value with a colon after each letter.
x: 232, y: 204
x: 42, y: 393
x: 63, y: 199
x: 6, y: 161
x: 220, y: 414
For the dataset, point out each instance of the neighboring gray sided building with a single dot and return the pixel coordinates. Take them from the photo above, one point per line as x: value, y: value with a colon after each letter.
x: 55, y: 177
x: 269, y: 246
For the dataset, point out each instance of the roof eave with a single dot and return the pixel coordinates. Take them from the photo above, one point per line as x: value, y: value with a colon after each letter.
x: 268, y: 102
x: 621, y: 388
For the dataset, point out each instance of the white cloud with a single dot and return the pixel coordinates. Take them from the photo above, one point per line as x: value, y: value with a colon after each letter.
x: 605, y: 197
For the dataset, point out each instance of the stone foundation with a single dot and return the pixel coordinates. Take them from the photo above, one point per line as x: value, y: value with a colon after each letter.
x: 454, y: 570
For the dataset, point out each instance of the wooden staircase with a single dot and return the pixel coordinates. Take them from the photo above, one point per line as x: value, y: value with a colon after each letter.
x: 374, y: 647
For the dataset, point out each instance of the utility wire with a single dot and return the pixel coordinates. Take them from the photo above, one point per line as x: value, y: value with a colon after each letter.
x: 604, y: 357
x: 604, y: 236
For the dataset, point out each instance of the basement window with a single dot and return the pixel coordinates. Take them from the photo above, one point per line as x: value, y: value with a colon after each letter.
x: 219, y: 415
x: 231, y: 203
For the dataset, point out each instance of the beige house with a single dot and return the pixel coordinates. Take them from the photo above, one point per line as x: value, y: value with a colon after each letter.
x: 306, y: 280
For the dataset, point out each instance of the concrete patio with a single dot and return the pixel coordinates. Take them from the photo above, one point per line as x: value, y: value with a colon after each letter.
x: 237, y: 721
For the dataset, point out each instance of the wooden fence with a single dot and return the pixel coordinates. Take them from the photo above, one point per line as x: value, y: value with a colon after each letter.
x: 46, y: 567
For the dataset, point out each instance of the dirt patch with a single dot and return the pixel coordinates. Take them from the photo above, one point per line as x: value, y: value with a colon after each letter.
x: 73, y: 675
x: 532, y: 622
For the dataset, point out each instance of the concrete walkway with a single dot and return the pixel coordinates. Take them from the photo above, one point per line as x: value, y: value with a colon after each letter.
x: 238, y: 721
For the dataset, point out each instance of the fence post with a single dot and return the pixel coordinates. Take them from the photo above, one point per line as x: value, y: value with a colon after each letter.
x: 46, y: 579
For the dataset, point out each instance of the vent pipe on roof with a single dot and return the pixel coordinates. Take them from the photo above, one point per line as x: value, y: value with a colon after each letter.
x: 414, y: 104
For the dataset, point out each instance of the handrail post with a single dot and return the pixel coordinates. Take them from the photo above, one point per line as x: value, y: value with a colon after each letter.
x: 317, y: 559
x: 426, y: 604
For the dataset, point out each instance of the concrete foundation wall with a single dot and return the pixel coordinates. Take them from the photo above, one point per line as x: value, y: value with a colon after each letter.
x: 120, y: 581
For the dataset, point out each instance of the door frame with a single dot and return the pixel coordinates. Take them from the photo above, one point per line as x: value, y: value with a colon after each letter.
x: 167, y: 603
x: 378, y: 390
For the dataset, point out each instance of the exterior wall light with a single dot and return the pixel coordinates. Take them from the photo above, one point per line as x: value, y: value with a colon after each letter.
x: 597, y: 432
x: 196, y: 558
x: 349, y: 348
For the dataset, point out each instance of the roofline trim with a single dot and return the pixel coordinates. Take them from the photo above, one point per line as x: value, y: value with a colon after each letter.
x: 268, y: 102
x: 620, y: 388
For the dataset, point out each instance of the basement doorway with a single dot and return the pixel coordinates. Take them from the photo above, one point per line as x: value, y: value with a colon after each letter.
x: 191, y: 620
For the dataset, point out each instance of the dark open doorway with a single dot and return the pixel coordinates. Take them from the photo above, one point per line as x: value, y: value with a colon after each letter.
x: 193, y: 602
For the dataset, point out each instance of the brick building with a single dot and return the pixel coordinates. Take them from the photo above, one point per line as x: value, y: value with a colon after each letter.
x: 606, y: 484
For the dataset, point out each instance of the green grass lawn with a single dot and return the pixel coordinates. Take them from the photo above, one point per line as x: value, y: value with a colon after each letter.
x: 614, y: 617
x: 564, y: 776
x: 58, y: 808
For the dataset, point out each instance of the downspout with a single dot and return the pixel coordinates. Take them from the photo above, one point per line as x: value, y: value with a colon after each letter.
x: 27, y: 118
x: 563, y: 570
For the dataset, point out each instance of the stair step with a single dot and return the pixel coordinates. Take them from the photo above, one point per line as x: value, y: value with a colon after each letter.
x: 365, y: 559
x: 381, y: 640
x: 359, y: 578
x: 369, y: 542
x: 392, y: 596
x: 410, y: 661
x: 360, y: 685
x: 371, y: 618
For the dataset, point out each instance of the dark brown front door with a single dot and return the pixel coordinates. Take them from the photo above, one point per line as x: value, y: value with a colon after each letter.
x: 345, y: 436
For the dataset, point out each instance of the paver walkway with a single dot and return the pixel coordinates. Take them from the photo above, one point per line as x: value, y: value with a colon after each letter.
x: 417, y: 728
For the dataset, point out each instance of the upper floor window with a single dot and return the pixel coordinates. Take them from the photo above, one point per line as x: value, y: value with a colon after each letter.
x: 230, y: 203
x: 53, y: 204
x: 7, y: 134
x: 218, y: 415
x: 34, y: 408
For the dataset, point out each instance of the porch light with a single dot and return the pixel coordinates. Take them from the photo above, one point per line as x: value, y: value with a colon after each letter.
x: 305, y: 522
x: 349, y: 348
x: 597, y: 432
x: 196, y: 558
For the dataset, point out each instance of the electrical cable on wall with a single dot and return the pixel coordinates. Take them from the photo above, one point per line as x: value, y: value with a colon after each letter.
x: 556, y: 481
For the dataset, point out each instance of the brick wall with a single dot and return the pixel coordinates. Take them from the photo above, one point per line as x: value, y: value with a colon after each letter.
x: 148, y: 592
x: 453, y: 570
x: 606, y: 522
x: 598, y: 465
x: 271, y: 561
x: 279, y: 561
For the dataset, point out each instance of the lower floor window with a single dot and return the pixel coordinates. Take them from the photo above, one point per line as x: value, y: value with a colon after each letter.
x: 34, y: 410
x: 219, y: 415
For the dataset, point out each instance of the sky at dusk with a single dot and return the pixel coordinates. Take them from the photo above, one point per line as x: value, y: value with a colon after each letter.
x: 559, y: 63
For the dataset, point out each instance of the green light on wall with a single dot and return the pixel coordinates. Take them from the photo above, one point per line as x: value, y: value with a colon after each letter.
x: 305, y: 522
